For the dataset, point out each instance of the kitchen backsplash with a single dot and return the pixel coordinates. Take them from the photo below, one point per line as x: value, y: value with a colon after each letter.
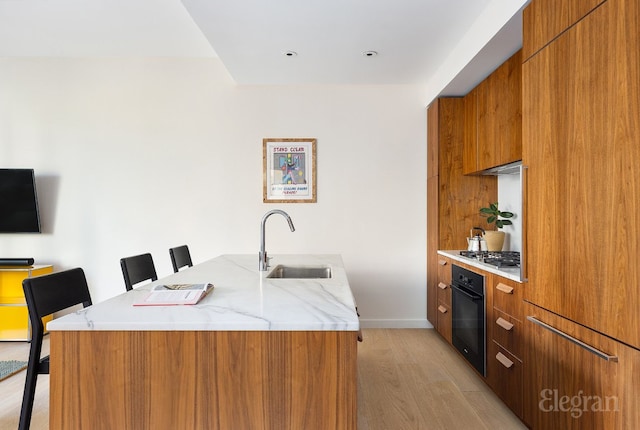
x: 510, y: 199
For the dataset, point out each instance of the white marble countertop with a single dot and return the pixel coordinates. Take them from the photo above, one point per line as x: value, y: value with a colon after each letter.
x: 243, y: 299
x: 512, y: 273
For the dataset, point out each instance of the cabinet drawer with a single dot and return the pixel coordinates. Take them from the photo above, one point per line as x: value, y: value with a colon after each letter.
x: 444, y: 321
x: 444, y: 270
x: 507, y: 332
x: 444, y: 293
x: 505, y: 375
x: 507, y: 296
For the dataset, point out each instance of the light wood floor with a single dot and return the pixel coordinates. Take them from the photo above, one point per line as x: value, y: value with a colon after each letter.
x: 407, y: 379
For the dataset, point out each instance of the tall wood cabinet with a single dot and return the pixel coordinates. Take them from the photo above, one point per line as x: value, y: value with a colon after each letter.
x: 581, y: 134
x: 582, y: 146
x: 453, y: 200
x: 546, y: 19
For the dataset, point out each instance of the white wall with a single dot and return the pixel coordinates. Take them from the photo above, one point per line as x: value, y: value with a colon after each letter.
x: 137, y: 155
x: 510, y: 200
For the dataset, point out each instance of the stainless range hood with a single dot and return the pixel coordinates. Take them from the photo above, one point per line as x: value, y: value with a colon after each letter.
x: 506, y: 169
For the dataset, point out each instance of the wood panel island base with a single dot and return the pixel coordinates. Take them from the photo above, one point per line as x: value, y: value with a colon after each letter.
x: 256, y: 353
x: 203, y: 380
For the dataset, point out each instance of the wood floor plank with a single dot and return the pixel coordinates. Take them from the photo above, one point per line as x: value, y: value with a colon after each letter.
x: 407, y: 379
x: 492, y: 412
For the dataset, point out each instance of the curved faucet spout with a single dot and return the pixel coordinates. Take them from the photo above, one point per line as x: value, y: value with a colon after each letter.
x: 264, y: 263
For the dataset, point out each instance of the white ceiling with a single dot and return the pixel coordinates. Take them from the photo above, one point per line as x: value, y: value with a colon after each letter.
x: 413, y: 38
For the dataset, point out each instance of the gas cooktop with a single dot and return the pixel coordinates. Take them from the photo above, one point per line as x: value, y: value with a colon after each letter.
x: 495, y: 258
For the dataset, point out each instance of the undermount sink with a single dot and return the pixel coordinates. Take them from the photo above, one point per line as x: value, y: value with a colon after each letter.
x: 300, y: 272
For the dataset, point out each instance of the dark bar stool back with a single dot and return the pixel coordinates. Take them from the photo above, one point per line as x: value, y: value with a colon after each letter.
x: 180, y: 257
x: 46, y: 295
x: 136, y: 269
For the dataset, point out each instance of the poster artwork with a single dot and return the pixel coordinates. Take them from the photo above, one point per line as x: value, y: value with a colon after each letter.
x: 289, y: 171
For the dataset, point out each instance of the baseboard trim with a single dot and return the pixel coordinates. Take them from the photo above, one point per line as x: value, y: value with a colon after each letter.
x: 389, y: 323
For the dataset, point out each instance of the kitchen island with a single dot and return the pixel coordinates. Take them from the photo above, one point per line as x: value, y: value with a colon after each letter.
x: 256, y: 353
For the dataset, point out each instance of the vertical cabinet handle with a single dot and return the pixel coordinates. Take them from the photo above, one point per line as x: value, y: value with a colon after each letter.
x: 442, y: 286
x: 504, y: 360
x: 442, y: 309
x: 572, y: 339
x: 504, y: 288
x: 504, y: 323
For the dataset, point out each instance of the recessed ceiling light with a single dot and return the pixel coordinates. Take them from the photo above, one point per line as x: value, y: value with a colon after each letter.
x: 290, y: 53
x: 369, y: 53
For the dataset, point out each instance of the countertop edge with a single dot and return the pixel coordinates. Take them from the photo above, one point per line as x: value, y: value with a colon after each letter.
x: 244, y: 299
x: 455, y: 255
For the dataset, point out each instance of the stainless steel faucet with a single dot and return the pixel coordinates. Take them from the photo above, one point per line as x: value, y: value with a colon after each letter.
x: 264, y: 262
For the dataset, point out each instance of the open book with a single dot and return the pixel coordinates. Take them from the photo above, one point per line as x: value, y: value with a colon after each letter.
x: 175, y: 294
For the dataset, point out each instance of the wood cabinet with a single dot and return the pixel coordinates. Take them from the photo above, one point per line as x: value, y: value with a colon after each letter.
x: 470, y: 144
x: 505, y: 340
x: 14, y: 316
x: 581, y: 128
x: 444, y: 297
x: 453, y: 200
x: 546, y: 19
x: 577, y: 378
x: 174, y: 379
x: 432, y: 249
x: 493, y: 119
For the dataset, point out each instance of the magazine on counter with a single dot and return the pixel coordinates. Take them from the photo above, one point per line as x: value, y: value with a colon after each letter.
x: 175, y: 294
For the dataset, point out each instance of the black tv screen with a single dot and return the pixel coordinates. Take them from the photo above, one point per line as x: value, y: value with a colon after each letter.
x: 18, y: 202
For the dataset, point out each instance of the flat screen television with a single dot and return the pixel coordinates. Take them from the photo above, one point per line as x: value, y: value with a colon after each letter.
x: 18, y: 202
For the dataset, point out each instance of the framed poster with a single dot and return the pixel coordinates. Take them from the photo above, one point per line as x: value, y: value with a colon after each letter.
x: 289, y: 167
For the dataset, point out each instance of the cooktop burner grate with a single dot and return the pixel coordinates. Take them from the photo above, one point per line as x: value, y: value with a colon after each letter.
x: 495, y: 258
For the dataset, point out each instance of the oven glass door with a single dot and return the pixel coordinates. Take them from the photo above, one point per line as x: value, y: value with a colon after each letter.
x: 468, y: 326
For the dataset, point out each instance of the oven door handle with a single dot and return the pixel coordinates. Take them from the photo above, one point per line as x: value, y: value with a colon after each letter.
x: 471, y: 296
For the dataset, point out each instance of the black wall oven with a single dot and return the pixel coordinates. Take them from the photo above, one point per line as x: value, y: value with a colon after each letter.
x: 468, y: 316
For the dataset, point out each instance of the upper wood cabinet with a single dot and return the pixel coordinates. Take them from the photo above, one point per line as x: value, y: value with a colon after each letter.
x: 543, y: 26
x: 581, y: 134
x: 493, y: 119
x: 459, y: 197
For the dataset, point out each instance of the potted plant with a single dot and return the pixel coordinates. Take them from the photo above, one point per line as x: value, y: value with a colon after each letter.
x: 495, y: 238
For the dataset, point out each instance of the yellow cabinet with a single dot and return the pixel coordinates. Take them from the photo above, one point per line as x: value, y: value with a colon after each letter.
x: 14, y: 317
